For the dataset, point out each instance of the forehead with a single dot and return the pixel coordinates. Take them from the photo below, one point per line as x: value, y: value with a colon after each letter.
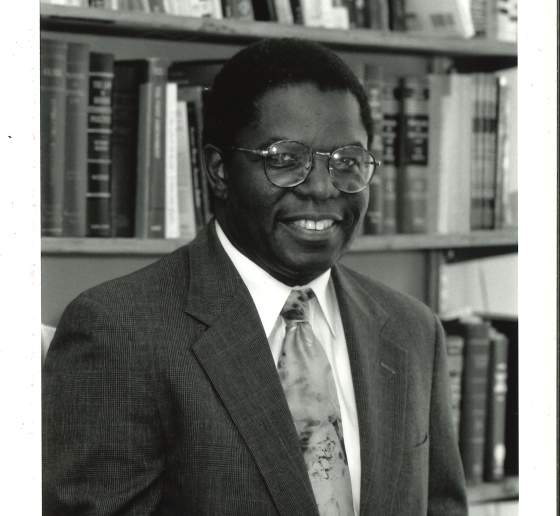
x: 304, y: 113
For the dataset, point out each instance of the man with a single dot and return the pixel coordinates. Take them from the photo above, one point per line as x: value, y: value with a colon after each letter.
x: 247, y: 373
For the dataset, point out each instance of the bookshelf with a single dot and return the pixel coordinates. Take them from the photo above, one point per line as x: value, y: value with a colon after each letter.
x: 409, y: 263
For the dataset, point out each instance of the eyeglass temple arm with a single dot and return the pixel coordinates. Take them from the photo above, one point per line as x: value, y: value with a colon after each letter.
x: 252, y: 151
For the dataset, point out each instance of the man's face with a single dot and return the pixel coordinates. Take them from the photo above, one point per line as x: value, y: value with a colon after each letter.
x: 266, y: 222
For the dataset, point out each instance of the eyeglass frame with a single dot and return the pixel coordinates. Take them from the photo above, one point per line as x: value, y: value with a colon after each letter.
x: 265, y: 153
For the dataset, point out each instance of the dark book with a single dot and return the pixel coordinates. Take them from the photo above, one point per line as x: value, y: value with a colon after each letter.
x: 193, y: 96
x: 455, y: 345
x: 377, y: 14
x: 264, y: 10
x: 373, y: 221
x: 412, y: 171
x: 474, y: 394
x: 495, y: 447
x: 124, y: 149
x: 297, y: 11
x: 52, y: 127
x: 194, y: 73
x: 238, y: 9
x: 99, y: 127
x: 490, y: 152
x: 356, y: 13
x: 391, y: 133
x: 510, y: 328
x: 157, y: 6
x: 76, y: 142
x: 149, y: 219
x: 477, y: 153
x: 397, y: 15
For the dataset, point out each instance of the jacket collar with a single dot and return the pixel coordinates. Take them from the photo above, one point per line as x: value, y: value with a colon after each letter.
x: 235, y: 354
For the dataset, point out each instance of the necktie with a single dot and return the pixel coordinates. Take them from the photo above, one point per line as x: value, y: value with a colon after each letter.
x: 307, y: 379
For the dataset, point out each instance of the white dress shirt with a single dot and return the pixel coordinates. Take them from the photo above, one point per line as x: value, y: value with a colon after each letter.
x: 269, y: 296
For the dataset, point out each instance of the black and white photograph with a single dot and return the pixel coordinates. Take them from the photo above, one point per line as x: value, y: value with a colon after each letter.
x: 271, y: 257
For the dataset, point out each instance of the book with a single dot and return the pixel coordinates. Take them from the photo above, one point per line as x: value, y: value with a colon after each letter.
x: 297, y: 11
x: 356, y: 13
x: 439, y: 18
x: 474, y: 394
x: 412, y: 170
x: 284, y: 13
x: 150, y: 175
x: 376, y: 14
x: 238, y: 9
x: 99, y: 129
x: 506, y: 156
x: 478, y: 141
x: 264, y: 10
x: 52, y: 127
x: 193, y: 97
x: 490, y: 151
x: 172, y: 229
x: 478, y: 9
x: 185, y: 190
x: 455, y: 347
x: 373, y: 220
x: 495, y: 449
x: 391, y: 134
x: 157, y: 6
x: 397, y: 20
x: 76, y: 141
x: 124, y: 148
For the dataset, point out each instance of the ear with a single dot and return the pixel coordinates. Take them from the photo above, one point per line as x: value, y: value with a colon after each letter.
x: 215, y: 171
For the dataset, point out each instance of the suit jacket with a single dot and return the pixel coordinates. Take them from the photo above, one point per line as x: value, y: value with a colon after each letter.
x: 161, y: 396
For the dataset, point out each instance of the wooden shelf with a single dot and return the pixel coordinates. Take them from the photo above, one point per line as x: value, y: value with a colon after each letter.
x: 507, y: 489
x: 381, y: 243
x: 164, y: 26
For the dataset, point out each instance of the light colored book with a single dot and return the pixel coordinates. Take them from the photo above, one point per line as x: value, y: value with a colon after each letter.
x: 171, y: 184
x: 439, y: 18
x: 187, y: 215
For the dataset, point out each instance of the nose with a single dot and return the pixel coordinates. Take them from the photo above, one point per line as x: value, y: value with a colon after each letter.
x: 318, y: 184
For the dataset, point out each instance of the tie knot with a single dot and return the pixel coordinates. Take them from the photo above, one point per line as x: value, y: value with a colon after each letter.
x: 296, y: 308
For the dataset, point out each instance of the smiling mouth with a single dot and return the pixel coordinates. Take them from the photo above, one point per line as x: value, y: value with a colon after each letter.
x: 312, y: 225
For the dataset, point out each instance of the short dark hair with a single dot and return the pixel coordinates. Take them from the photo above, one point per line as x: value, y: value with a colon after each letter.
x: 269, y: 64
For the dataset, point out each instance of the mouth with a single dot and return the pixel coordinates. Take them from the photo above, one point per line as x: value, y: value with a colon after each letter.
x: 313, y: 225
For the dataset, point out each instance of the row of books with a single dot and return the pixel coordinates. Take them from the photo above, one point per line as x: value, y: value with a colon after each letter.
x: 492, y: 19
x: 448, y: 144
x: 478, y: 356
x: 113, y: 143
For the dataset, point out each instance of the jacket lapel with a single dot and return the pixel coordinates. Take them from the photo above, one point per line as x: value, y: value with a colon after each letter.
x: 235, y: 354
x: 379, y: 372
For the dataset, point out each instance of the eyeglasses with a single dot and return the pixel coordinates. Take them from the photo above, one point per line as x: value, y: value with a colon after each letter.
x: 288, y: 163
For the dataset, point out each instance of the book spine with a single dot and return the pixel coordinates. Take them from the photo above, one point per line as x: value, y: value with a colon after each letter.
x: 98, y: 197
x: 145, y: 101
x: 397, y: 16
x: 474, y: 400
x: 297, y: 11
x: 76, y: 141
x: 171, y: 186
x: 502, y: 165
x: 391, y: 134
x: 373, y: 221
x: 52, y: 127
x: 413, y: 170
x: 124, y: 147
x: 376, y: 14
x: 157, y: 6
x: 495, y: 450
x: 477, y: 153
x: 455, y: 348
x: 238, y: 9
x: 187, y: 215
x: 156, y: 202
x: 284, y: 12
x: 478, y: 15
x: 490, y: 153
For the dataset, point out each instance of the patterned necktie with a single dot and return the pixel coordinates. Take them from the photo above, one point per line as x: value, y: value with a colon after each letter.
x: 307, y: 379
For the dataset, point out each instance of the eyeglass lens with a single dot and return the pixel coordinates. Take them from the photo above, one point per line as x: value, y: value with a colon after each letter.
x: 288, y: 164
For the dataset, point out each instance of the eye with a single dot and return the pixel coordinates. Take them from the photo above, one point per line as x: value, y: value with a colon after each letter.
x: 345, y: 163
x: 283, y: 160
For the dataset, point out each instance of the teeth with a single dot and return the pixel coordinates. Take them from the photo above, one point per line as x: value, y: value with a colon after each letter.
x: 320, y: 225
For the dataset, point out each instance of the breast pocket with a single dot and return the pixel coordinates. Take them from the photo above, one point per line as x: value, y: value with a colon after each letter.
x: 417, y: 457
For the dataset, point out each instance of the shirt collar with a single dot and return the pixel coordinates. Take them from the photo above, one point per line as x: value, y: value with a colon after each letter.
x: 269, y: 294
